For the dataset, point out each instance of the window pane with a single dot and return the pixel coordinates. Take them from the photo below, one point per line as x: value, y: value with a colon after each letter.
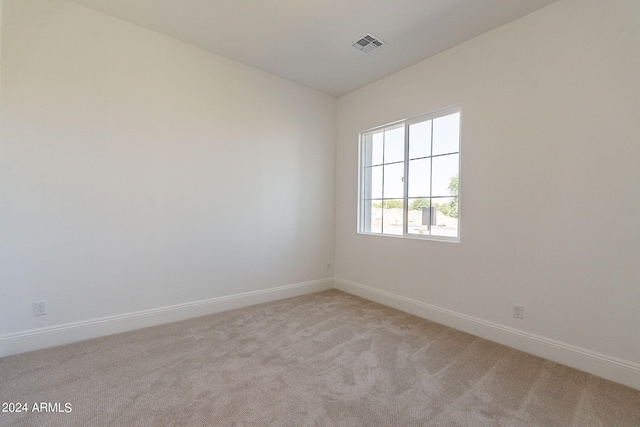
x: 419, y: 216
x: 367, y: 141
x: 374, y: 219
x: 445, y: 175
x: 394, y: 145
x: 392, y: 217
x: 446, y: 134
x: 419, y: 177
x: 373, y: 182
x: 374, y: 144
x: 420, y: 139
x: 446, y: 220
x: 393, y: 185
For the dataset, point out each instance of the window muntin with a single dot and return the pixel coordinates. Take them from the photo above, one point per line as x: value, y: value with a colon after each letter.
x: 425, y: 150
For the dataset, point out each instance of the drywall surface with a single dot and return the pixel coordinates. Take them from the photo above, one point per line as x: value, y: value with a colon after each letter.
x: 139, y: 172
x: 549, y: 179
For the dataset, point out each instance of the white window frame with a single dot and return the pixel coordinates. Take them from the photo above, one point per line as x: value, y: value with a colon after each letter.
x: 362, y: 191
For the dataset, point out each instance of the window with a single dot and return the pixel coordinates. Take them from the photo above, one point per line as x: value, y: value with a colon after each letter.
x: 409, y: 178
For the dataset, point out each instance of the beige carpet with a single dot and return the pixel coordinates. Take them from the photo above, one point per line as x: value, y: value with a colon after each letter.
x: 326, y: 359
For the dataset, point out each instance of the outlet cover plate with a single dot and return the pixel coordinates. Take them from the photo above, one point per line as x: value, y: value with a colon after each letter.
x: 39, y: 308
x: 518, y: 311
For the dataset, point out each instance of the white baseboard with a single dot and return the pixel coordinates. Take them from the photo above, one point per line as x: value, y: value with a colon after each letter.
x: 608, y: 367
x: 36, y: 339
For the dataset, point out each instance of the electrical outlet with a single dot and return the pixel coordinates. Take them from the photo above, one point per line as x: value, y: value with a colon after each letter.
x: 328, y: 266
x: 518, y: 311
x: 39, y: 308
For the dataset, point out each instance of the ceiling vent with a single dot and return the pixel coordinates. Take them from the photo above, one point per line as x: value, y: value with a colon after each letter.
x: 368, y: 43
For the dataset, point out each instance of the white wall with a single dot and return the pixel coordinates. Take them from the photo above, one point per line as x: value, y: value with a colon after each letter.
x: 138, y: 173
x: 549, y: 186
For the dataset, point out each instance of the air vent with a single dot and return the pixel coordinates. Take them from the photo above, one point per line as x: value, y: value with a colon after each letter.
x: 368, y: 43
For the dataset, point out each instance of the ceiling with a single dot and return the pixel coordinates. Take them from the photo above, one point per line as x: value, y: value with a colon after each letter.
x: 309, y: 41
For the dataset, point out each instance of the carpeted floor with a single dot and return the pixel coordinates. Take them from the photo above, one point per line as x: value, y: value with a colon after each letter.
x: 325, y: 359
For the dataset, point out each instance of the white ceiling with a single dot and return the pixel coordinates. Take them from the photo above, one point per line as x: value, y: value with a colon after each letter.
x: 309, y: 41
